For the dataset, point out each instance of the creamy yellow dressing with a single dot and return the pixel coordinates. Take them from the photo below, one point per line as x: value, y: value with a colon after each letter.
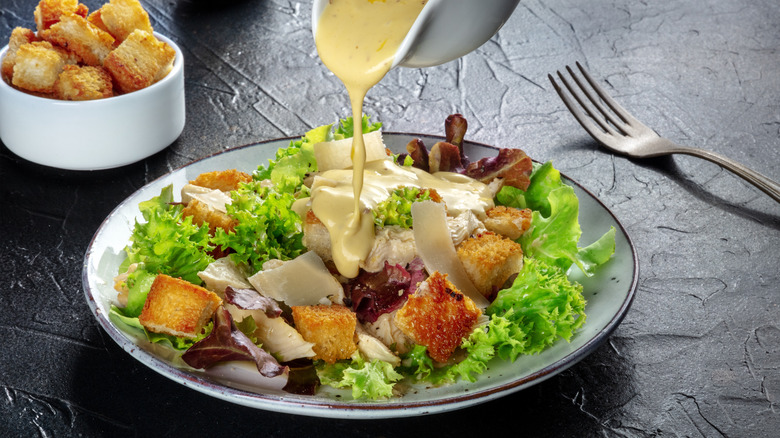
x: 459, y: 192
x: 357, y: 40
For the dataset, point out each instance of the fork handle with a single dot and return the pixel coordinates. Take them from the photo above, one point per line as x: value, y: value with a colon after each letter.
x: 765, y: 184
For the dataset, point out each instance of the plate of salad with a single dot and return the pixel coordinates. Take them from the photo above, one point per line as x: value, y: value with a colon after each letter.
x: 573, y: 278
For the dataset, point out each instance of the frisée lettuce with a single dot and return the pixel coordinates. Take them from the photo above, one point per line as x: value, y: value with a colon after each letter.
x: 555, y: 229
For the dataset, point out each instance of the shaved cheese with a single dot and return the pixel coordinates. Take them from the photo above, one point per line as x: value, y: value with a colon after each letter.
x: 222, y: 273
x: 303, y: 281
x: 216, y: 199
x: 434, y: 245
x: 277, y: 337
x: 337, y: 154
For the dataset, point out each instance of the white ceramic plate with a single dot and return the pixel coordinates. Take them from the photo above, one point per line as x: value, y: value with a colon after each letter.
x: 609, y: 294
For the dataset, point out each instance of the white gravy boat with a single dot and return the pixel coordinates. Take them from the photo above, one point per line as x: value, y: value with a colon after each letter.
x: 445, y: 29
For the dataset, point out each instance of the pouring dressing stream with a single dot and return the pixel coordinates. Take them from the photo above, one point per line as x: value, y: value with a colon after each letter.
x: 358, y: 40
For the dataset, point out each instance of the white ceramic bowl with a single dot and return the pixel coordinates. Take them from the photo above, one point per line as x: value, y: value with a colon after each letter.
x: 94, y: 134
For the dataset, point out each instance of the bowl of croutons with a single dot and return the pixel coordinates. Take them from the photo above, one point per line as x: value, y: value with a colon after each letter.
x: 90, y: 90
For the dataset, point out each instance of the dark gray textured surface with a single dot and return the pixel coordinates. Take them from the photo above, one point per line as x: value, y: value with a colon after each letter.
x: 698, y: 354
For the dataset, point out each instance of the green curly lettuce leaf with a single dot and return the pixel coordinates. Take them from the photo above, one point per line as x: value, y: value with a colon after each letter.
x: 267, y: 227
x: 555, y: 229
x: 368, y: 379
x: 293, y: 163
x: 397, y: 209
x: 544, y: 305
x: 167, y: 242
x: 418, y: 366
x: 346, y: 127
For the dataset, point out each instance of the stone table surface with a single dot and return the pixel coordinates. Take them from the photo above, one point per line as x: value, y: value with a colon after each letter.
x: 698, y: 353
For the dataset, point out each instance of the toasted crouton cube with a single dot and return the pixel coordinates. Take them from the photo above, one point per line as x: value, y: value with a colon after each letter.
x: 225, y: 180
x: 19, y: 36
x: 508, y: 221
x: 201, y: 213
x: 75, y: 33
x: 437, y: 316
x: 490, y: 260
x: 121, y: 17
x: 330, y: 328
x: 139, y: 61
x: 177, y: 307
x: 316, y: 237
x: 96, y: 19
x: 37, y: 66
x: 48, y: 12
x: 83, y: 83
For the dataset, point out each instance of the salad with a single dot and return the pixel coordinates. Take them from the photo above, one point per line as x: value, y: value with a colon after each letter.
x: 246, y: 259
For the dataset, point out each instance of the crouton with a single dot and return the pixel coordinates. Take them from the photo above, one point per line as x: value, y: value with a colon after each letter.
x: 201, y: 213
x: 83, y: 83
x: 177, y: 307
x: 225, y: 180
x: 74, y: 33
x: 37, y: 66
x: 121, y: 17
x: 490, y: 260
x: 508, y: 221
x: 48, y: 12
x: 96, y: 19
x: 19, y: 36
x: 316, y: 237
x: 139, y: 61
x: 330, y: 328
x: 437, y: 316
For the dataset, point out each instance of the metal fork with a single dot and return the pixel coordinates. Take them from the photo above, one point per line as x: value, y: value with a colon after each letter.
x: 620, y: 132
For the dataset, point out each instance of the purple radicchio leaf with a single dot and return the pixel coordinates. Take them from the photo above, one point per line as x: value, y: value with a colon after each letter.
x: 512, y: 165
x: 303, y: 379
x: 225, y: 343
x: 445, y: 157
x: 416, y: 269
x: 419, y: 154
x: 376, y: 293
x: 455, y: 127
x: 249, y: 299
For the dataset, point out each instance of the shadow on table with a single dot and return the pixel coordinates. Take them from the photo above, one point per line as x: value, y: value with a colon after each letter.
x: 669, y: 168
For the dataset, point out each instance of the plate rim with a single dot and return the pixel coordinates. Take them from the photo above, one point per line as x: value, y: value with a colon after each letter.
x: 331, y: 408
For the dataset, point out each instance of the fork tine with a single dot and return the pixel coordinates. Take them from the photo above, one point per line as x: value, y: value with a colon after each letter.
x: 587, y: 122
x: 606, y: 98
x: 576, y: 94
x: 596, y: 102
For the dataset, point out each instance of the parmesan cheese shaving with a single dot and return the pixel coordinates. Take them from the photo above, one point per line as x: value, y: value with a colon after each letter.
x: 434, y: 245
x: 303, y: 281
x: 337, y: 154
